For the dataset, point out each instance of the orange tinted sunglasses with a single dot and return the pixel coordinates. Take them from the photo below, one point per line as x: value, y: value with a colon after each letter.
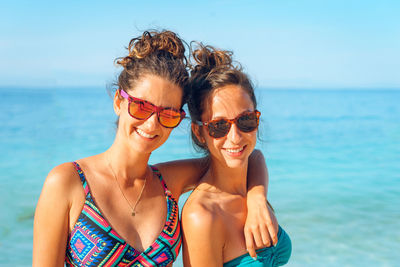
x: 142, y: 110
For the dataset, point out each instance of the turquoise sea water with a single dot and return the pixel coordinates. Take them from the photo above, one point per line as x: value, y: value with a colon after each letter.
x: 333, y: 158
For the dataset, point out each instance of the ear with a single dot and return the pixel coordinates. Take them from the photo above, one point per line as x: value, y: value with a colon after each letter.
x: 117, y: 103
x: 197, y: 132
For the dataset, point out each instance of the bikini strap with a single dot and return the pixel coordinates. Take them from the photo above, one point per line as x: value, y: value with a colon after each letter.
x: 158, y: 173
x: 82, y: 177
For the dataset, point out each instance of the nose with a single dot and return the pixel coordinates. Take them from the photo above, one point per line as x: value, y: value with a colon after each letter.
x: 234, y: 134
x: 151, y: 123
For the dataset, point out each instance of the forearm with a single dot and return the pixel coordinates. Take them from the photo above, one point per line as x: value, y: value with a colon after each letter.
x: 183, y: 175
x: 261, y: 226
x: 257, y: 175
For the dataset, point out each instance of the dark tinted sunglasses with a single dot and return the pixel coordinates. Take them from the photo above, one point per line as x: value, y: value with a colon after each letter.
x: 246, y: 122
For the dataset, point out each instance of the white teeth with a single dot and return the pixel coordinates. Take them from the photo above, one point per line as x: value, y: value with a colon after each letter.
x: 235, y: 150
x: 140, y: 132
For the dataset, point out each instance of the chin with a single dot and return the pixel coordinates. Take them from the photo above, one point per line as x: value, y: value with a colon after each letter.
x: 144, y: 147
x: 236, y: 163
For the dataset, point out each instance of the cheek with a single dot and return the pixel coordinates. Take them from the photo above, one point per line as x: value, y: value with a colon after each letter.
x: 166, y: 132
x: 253, y: 137
x: 123, y: 112
x: 125, y: 118
x: 122, y: 120
x: 126, y: 123
x: 214, y: 144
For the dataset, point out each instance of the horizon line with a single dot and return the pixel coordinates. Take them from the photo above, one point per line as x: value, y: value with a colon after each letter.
x: 43, y: 87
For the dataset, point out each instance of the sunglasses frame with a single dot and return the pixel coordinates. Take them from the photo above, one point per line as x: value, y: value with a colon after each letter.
x: 231, y: 121
x: 155, y: 109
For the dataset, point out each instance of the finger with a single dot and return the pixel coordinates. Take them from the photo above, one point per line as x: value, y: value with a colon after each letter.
x: 266, y: 239
x: 273, y: 234
x: 257, y: 237
x: 250, y: 244
x: 273, y: 227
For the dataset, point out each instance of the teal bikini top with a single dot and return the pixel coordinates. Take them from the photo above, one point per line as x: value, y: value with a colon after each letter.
x: 271, y: 256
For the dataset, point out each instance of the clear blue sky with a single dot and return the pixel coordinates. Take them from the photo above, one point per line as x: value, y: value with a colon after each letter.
x: 303, y: 44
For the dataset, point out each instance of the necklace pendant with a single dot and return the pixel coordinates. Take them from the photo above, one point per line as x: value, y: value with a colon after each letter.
x: 133, y: 213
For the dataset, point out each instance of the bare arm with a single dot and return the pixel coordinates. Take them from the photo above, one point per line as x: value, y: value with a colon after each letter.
x: 183, y: 175
x: 202, y: 238
x: 261, y: 227
x: 50, y: 229
x: 257, y: 174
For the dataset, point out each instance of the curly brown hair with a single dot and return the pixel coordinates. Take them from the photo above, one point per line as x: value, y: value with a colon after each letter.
x: 160, y: 53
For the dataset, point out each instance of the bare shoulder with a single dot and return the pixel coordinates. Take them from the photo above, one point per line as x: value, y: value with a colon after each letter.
x: 201, y: 213
x: 203, y: 232
x: 62, y: 174
x: 63, y: 180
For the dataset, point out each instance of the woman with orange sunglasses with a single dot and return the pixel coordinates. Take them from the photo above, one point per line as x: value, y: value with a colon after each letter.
x: 113, y: 209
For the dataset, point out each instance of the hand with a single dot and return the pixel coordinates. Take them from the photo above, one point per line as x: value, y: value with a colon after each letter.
x: 261, y: 227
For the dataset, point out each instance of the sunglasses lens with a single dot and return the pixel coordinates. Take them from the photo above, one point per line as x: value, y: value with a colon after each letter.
x: 170, y: 118
x: 218, y: 129
x: 247, y: 122
x: 140, y: 110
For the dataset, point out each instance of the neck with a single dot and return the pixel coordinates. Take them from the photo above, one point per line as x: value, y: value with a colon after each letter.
x: 127, y: 164
x: 225, y: 179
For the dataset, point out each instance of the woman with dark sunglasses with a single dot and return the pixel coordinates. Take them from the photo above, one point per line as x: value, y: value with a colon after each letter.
x: 113, y: 209
x: 222, y: 107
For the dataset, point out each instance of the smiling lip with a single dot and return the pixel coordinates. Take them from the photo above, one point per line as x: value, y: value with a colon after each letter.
x: 235, y: 152
x: 145, y: 135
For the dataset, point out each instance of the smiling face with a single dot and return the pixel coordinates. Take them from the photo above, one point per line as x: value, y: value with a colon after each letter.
x: 147, y: 135
x: 234, y: 149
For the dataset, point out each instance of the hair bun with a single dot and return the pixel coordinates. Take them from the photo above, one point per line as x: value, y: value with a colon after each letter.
x: 206, y: 58
x: 152, y: 42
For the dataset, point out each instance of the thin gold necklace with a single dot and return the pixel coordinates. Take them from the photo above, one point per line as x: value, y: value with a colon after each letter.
x: 120, y: 189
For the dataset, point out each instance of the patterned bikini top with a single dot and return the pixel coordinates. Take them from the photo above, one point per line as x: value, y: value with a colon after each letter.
x: 93, y: 242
